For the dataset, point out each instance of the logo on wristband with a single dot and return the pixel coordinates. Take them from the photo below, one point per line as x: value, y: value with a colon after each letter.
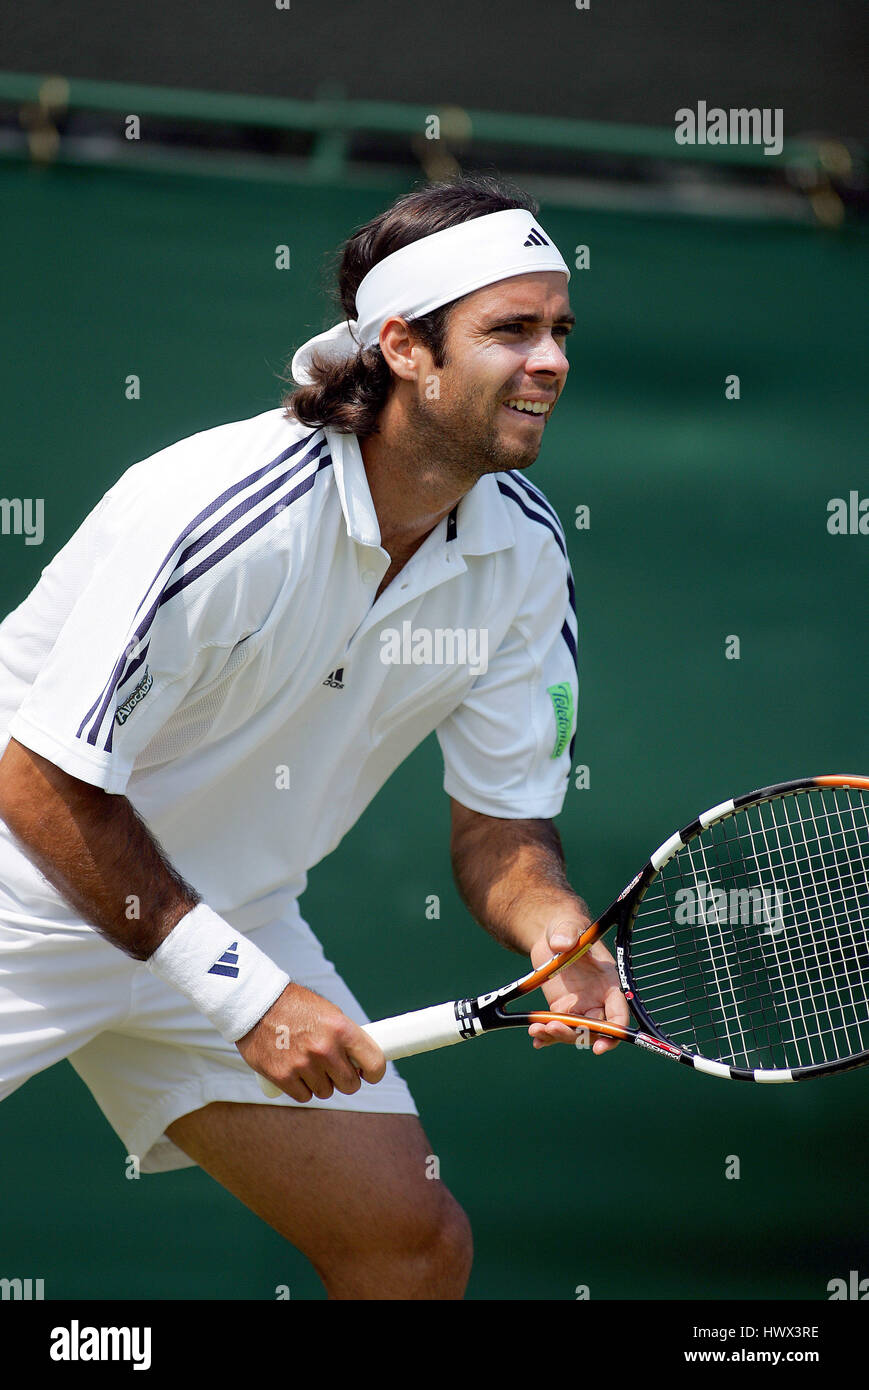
x: 227, y: 964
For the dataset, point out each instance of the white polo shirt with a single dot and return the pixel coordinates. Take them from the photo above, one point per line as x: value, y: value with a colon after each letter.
x: 208, y: 644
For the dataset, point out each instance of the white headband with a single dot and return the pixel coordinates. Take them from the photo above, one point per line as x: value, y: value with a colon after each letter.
x: 431, y: 272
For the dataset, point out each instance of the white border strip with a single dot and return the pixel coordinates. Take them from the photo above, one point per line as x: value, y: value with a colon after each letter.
x: 666, y: 851
x: 711, y: 1068
x: 725, y: 808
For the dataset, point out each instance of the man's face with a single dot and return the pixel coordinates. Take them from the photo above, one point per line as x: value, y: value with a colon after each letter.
x: 505, y: 343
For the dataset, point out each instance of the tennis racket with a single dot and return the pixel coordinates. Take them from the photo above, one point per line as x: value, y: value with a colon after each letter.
x: 742, y: 946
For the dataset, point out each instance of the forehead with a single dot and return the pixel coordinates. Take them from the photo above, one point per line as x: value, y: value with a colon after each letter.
x: 541, y: 293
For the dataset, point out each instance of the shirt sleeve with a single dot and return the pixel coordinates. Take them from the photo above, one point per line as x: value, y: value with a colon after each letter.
x: 161, y: 599
x: 508, y: 747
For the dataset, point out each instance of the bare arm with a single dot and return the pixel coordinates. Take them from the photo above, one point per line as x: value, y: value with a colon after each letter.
x: 512, y: 878
x: 100, y: 856
x: 511, y: 875
x: 95, y: 850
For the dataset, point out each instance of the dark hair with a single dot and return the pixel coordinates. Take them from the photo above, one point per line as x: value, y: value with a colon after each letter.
x: 349, y: 396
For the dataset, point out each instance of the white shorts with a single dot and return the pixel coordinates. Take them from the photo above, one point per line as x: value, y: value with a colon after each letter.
x: 146, y: 1055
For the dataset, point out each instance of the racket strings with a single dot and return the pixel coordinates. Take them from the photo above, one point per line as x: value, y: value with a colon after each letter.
x: 751, y: 946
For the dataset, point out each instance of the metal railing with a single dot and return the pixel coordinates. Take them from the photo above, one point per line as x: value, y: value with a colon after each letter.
x: 333, y: 119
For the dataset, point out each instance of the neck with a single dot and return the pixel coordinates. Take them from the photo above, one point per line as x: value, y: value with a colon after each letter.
x: 412, y: 486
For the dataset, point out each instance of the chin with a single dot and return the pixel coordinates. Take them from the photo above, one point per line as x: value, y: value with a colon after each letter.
x: 521, y: 459
x: 526, y: 460
x: 504, y: 462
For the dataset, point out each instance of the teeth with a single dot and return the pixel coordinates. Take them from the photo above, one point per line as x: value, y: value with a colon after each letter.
x: 535, y: 407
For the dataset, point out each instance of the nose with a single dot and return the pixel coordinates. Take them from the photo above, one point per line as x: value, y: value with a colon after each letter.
x: 547, y: 356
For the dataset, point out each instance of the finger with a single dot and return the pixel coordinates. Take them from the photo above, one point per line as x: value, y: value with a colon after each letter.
x: 599, y: 1043
x: 344, y: 1075
x: 365, y: 1057
x: 562, y: 935
x: 545, y: 1034
x: 617, y: 1009
x: 601, y: 954
x: 541, y: 1035
x: 296, y: 1089
x: 564, y: 1033
x: 537, y: 1032
x: 319, y: 1084
x: 568, y: 1004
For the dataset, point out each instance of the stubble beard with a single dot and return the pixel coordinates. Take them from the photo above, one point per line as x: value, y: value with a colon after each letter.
x: 462, y: 443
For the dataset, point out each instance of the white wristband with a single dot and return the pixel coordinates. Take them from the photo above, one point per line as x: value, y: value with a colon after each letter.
x: 222, y: 973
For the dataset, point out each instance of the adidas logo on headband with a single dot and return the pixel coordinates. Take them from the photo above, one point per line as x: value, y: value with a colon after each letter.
x: 536, y: 238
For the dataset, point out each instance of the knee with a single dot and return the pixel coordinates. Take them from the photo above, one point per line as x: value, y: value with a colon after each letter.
x: 421, y: 1251
x: 447, y: 1248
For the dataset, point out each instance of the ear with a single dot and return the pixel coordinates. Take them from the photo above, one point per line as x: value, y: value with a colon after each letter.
x: 401, y: 350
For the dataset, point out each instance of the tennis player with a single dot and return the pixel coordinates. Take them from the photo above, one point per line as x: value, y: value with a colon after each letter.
x: 215, y: 676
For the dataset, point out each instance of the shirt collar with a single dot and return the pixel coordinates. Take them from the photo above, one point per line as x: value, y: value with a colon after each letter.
x: 484, y: 523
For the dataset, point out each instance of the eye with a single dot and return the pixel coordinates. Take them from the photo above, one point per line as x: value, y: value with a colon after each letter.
x: 561, y: 330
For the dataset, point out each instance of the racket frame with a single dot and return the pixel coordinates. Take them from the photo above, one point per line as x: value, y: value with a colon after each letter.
x: 444, y: 1024
x: 488, y: 1013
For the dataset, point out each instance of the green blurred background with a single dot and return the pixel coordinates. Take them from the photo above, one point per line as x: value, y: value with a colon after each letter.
x: 708, y: 519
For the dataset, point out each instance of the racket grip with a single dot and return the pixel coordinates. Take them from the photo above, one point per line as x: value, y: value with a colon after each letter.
x: 421, y: 1031
x: 403, y: 1036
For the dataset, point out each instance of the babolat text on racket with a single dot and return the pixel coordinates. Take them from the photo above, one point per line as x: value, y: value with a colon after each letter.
x: 742, y: 945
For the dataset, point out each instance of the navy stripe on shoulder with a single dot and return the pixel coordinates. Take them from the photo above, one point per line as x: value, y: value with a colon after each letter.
x: 537, y: 496
x: 547, y: 517
x: 543, y: 519
x: 195, y: 537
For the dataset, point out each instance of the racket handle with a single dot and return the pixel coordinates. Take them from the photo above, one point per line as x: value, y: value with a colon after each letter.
x: 403, y: 1036
x: 268, y: 1088
x: 421, y: 1031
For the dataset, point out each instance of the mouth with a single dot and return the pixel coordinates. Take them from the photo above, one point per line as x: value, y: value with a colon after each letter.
x: 536, y: 411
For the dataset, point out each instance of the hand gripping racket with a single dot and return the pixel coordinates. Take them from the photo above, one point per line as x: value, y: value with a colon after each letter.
x: 742, y: 945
